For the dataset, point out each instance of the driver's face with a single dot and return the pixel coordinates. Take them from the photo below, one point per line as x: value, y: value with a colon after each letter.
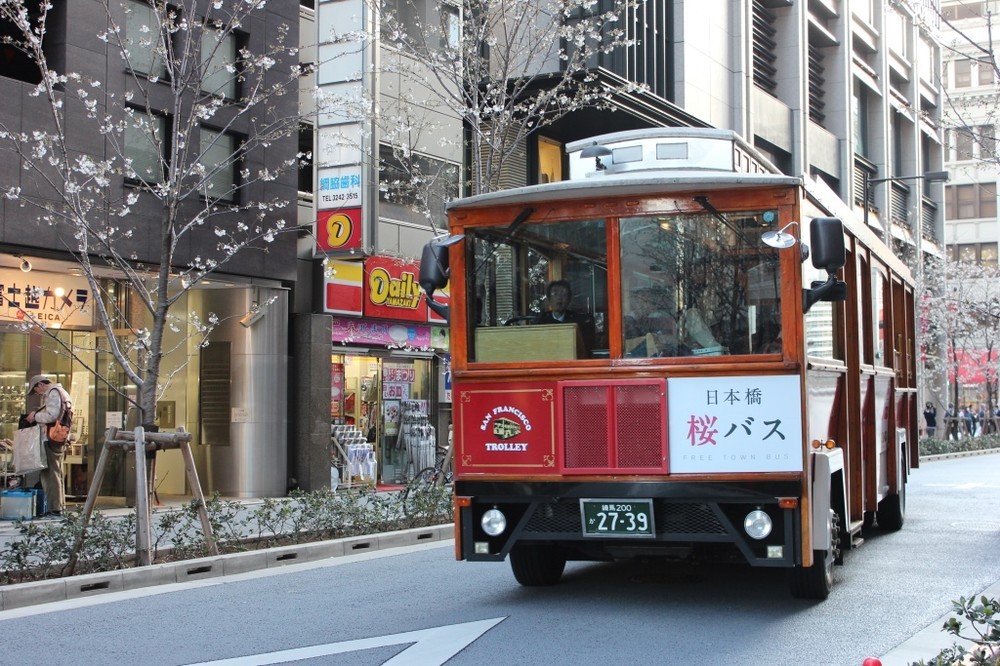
x: 559, y: 299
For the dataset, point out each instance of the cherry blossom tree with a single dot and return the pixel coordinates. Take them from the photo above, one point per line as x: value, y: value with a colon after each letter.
x: 192, y: 140
x: 960, y: 321
x: 502, y: 68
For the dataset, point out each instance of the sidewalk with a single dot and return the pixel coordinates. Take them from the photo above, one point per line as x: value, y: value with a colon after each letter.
x: 930, y: 640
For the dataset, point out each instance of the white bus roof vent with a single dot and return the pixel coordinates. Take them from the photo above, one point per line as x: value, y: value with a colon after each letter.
x: 664, y: 149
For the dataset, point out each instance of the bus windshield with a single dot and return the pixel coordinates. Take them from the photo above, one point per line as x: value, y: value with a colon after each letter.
x: 691, y: 284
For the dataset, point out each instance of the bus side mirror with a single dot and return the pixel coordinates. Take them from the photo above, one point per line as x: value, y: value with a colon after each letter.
x: 827, y: 243
x: 435, y: 270
x: 829, y: 254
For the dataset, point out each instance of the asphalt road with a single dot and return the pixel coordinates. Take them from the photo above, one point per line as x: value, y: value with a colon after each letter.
x: 418, y: 606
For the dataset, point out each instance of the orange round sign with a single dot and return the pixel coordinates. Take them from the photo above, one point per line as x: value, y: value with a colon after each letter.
x: 338, y: 229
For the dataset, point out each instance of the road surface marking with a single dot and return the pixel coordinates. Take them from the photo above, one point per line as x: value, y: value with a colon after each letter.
x: 430, y: 647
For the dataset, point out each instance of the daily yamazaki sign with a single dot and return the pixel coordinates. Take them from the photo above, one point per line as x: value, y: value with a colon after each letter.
x: 377, y: 288
x: 392, y: 291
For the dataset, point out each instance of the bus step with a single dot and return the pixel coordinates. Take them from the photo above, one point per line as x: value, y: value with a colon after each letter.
x: 855, y: 531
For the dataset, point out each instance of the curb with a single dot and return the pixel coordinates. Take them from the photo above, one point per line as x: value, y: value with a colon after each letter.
x: 88, y: 585
x: 958, y: 454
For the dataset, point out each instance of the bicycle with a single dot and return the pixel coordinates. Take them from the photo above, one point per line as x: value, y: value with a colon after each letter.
x: 420, y: 487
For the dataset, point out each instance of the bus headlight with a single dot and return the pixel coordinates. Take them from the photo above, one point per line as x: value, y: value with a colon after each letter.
x: 494, y: 522
x: 757, y: 524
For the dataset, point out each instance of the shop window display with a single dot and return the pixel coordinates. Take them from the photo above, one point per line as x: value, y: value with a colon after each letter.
x: 380, y: 398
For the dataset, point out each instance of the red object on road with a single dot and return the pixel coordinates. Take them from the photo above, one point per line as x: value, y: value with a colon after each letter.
x: 872, y: 661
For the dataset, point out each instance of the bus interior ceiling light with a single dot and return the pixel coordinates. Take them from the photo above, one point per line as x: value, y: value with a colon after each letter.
x: 597, y: 152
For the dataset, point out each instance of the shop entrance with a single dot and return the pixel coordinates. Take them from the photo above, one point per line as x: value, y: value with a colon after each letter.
x: 387, y: 399
x: 24, y: 354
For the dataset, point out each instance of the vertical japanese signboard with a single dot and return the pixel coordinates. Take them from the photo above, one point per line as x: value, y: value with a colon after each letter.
x: 735, y: 424
x: 341, y: 76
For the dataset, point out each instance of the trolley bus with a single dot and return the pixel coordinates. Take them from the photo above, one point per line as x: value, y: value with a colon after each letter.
x: 734, y: 377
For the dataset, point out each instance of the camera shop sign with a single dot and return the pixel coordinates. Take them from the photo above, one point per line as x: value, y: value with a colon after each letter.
x: 53, y: 300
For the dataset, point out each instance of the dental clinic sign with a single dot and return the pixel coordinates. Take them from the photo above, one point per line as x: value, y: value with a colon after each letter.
x: 342, y: 77
x: 54, y: 300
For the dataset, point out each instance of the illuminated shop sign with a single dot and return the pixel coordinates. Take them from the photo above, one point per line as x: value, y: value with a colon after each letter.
x: 54, y: 300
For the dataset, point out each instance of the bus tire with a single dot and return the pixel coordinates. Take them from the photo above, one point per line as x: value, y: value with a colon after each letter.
x: 891, y: 512
x: 816, y: 581
x: 537, y: 565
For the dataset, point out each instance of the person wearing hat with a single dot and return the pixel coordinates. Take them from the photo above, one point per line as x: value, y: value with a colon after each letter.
x: 54, y: 397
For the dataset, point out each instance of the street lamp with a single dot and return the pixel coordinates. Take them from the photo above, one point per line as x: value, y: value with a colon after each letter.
x: 930, y: 176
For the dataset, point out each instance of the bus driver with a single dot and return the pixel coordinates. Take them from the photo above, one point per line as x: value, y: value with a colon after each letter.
x: 558, y: 296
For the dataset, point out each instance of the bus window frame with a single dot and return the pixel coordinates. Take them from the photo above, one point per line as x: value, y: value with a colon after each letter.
x: 783, y: 199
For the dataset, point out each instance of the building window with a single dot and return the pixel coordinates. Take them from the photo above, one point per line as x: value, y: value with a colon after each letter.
x: 550, y: 154
x: 417, y: 182
x: 765, y: 70
x: 399, y: 15
x: 987, y: 142
x: 963, y: 143
x: 451, y: 27
x: 14, y: 63
x: 145, y: 148
x: 988, y: 254
x: 143, y: 40
x: 305, y: 157
x: 969, y: 202
x: 218, y: 155
x: 219, y: 59
x: 985, y: 74
x: 963, y: 10
x: 963, y: 73
x: 984, y: 254
x: 817, y: 85
x: 860, y: 111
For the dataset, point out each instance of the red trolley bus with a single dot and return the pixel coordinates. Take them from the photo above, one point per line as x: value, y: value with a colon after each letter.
x: 650, y: 359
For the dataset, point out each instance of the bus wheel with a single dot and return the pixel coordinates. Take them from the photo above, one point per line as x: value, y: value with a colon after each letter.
x: 892, y: 511
x: 816, y: 581
x: 536, y: 565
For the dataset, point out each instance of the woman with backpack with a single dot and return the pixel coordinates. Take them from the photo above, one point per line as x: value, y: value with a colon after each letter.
x: 55, y: 413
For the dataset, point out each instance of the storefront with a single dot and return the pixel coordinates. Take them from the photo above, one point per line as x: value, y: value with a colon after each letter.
x: 388, y: 364
x: 74, y: 351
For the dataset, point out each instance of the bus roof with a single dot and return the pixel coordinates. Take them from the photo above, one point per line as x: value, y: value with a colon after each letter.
x: 626, y: 184
x: 648, y: 162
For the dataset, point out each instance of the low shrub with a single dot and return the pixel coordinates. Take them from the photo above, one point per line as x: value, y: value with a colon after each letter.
x: 930, y: 446
x: 41, y: 549
x: 983, y: 631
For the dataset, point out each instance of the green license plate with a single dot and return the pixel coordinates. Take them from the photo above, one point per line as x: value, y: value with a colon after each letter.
x: 616, y: 517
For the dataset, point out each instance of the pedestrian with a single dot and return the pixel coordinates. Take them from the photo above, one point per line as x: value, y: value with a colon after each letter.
x: 951, y: 422
x: 930, y: 419
x: 969, y: 419
x: 54, y: 401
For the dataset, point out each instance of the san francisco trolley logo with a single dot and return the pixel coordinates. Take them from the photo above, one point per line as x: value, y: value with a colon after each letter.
x: 505, y: 429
